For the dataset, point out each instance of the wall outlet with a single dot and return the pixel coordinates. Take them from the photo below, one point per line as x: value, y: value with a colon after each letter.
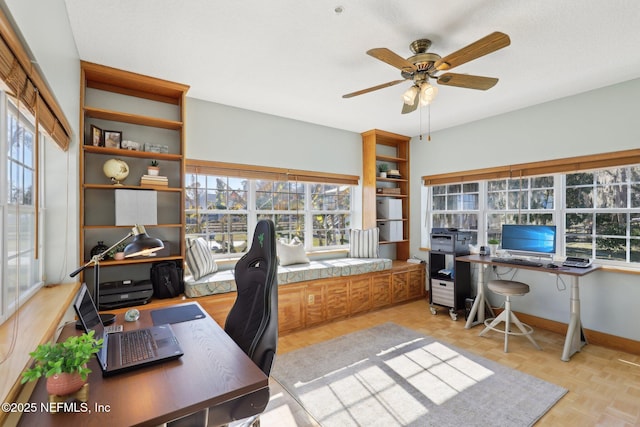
x: 311, y: 299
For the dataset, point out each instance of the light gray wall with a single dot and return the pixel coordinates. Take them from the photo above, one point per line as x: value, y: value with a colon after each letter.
x: 594, y: 122
x: 590, y: 123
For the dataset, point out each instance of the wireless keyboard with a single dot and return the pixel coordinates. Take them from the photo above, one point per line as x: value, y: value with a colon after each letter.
x: 517, y: 261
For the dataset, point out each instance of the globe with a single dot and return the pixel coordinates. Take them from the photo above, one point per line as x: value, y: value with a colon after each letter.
x: 116, y: 169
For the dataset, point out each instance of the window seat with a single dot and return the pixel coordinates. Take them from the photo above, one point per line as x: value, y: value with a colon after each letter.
x: 223, y: 281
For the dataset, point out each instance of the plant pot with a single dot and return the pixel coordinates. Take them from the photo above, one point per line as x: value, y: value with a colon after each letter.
x: 119, y: 255
x: 493, y: 249
x: 153, y: 170
x: 383, y: 174
x: 64, y: 383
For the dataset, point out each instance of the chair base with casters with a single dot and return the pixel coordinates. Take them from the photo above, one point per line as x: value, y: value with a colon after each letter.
x: 508, y: 288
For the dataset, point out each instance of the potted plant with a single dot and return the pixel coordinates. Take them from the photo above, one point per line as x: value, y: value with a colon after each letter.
x: 383, y: 168
x: 153, y: 168
x: 64, y: 364
x: 117, y: 252
x: 493, y: 246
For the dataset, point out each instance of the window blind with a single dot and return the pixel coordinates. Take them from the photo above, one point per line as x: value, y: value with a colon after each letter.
x: 570, y: 164
x: 25, y: 83
x: 266, y: 172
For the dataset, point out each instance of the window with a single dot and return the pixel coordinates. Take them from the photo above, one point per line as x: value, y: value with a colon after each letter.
x: 225, y: 209
x: 603, y: 214
x: 519, y: 201
x: 456, y: 206
x: 596, y: 212
x: 21, y: 267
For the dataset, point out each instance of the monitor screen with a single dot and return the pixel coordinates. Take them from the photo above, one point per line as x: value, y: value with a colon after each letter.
x: 529, y: 239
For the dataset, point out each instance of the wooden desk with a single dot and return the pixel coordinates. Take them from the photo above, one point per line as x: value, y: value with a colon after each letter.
x: 213, y: 370
x: 575, y: 338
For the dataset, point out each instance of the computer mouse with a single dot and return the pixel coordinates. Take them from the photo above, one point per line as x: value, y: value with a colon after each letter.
x: 551, y: 265
x: 132, y: 315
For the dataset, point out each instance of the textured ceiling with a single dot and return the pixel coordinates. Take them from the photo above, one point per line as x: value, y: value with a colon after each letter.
x: 296, y: 58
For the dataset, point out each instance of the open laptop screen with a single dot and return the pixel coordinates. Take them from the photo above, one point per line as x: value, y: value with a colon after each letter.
x: 88, y: 313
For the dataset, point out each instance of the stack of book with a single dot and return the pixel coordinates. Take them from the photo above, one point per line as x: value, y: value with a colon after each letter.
x: 154, y: 181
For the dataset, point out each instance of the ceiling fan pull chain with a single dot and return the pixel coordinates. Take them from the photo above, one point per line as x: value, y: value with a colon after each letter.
x: 429, y: 123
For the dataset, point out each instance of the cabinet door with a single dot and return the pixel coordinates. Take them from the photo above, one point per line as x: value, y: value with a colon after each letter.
x: 400, y: 287
x: 360, y: 295
x: 337, y: 298
x: 381, y: 290
x: 416, y: 283
x: 315, y: 304
x: 290, y: 308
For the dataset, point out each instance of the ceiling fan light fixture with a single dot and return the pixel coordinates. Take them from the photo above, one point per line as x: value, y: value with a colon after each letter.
x: 427, y: 94
x: 409, y: 97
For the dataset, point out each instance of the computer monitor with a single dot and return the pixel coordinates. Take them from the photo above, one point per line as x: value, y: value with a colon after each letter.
x: 529, y: 240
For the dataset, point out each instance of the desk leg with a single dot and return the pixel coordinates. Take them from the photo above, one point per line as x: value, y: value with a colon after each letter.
x: 575, y: 338
x: 480, y: 301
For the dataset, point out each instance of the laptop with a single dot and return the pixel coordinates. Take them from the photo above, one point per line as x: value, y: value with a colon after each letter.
x: 126, y: 350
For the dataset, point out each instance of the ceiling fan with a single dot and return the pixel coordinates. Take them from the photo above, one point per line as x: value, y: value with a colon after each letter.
x: 424, y: 66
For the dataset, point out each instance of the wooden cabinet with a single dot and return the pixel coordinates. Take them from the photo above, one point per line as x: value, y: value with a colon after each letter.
x: 360, y: 296
x: 380, y: 147
x: 147, y: 116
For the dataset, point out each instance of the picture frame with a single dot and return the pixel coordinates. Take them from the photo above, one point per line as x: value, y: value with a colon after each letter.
x: 112, y: 138
x: 125, y: 144
x: 97, y: 136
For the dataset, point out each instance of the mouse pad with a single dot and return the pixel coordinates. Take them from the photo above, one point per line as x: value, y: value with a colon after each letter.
x: 183, y: 313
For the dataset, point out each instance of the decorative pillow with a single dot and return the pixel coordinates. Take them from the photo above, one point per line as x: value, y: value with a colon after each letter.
x: 364, y: 243
x: 291, y: 253
x: 199, y: 259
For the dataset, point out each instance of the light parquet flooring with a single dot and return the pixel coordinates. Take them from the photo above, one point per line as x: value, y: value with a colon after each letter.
x: 603, y: 384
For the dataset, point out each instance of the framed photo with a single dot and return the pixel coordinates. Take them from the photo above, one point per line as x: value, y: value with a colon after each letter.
x: 112, y: 138
x: 130, y: 145
x: 156, y: 148
x: 97, y: 137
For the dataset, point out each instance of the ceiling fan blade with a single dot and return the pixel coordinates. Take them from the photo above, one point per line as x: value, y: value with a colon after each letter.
x: 371, y: 89
x: 467, y: 81
x: 409, y: 108
x: 484, y: 46
x: 391, y: 58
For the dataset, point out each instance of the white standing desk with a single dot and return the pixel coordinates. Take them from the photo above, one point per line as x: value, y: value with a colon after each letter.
x: 575, y: 338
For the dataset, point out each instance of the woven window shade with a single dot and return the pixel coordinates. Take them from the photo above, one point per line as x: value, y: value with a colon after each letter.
x: 28, y: 87
x: 266, y: 172
x: 567, y: 165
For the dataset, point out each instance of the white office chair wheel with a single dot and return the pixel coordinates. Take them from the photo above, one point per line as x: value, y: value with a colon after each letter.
x: 453, y: 313
x: 433, y: 310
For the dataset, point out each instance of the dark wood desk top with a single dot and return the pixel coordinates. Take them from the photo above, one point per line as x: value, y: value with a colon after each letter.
x: 213, y: 370
x: 571, y: 271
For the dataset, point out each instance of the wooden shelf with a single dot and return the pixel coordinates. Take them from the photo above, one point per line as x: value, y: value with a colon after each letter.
x: 111, y: 92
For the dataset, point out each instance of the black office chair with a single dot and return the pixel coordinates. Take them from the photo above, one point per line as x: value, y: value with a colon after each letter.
x: 253, y: 320
x: 253, y: 324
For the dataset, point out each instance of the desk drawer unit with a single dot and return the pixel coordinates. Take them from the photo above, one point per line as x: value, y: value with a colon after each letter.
x: 442, y: 292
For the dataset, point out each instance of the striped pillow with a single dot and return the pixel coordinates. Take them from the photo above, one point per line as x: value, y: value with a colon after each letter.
x: 199, y: 259
x: 364, y: 243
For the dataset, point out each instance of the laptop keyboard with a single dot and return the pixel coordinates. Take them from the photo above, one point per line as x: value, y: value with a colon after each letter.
x: 136, y: 346
x: 517, y: 261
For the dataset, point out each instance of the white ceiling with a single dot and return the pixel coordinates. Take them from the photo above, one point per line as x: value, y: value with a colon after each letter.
x: 296, y: 58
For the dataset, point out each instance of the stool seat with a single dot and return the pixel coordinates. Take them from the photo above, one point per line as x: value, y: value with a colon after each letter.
x: 508, y: 287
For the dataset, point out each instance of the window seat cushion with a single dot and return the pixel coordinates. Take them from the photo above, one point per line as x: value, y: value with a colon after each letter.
x: 223, y: 281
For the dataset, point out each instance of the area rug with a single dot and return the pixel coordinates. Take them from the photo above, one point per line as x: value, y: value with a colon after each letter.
x: 389, y: 375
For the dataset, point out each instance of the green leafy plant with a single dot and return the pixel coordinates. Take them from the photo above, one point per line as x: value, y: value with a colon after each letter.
x: 154, y: 163
x: 494, y: 242
x: 70, y: 356
x: 114, y: 251
x: 383, y: 167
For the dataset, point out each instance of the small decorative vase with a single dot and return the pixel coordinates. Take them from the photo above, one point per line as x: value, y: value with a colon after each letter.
x: 99, y: 248
x: 64, y: 383
x: 493, y: 249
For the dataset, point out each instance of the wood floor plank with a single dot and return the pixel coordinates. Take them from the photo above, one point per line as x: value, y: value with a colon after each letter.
x: 603, y: 384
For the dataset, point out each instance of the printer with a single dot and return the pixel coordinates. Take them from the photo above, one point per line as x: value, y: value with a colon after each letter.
x: 450, y: 240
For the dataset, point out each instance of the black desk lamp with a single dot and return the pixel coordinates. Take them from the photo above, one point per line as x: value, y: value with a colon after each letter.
x: 142, y: 245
